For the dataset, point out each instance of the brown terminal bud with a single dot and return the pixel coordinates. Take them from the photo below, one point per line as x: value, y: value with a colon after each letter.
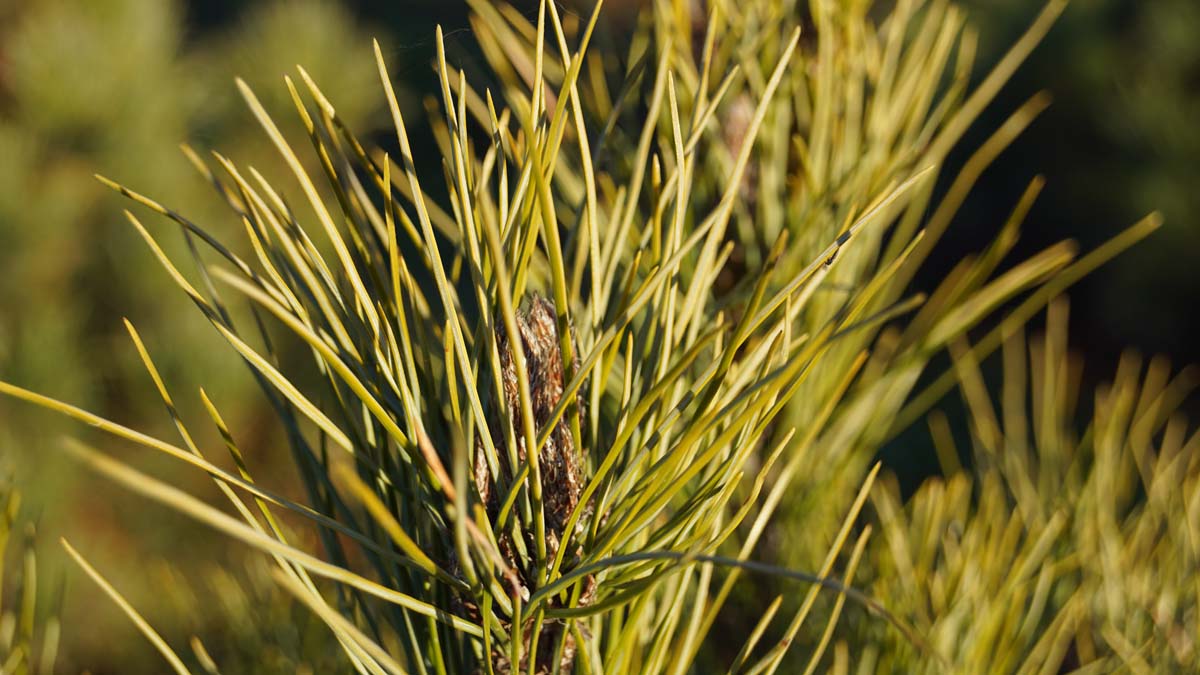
x: 561, y: 463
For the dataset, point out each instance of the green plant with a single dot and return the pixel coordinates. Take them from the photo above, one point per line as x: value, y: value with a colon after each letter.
x: 142, y: 91
x: 112, y: 86
x: 28, y: 643
x: 698, y: 261
x: 1053, y: 546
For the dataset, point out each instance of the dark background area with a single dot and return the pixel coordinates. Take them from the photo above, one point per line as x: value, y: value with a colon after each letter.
x: 1120, y: 140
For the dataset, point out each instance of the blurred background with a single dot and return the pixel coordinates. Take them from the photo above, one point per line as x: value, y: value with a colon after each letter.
x: 114, y: 86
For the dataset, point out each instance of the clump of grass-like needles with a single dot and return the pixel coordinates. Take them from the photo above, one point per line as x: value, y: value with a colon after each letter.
x: 28, y: 642
x: 1052, y: 546
x: 554, y: 413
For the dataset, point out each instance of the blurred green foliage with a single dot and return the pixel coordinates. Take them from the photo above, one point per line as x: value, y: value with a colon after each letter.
x: 113, y: 87
x: 29, y: 634
x: 248, y: 622
x: 1057, y: 545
